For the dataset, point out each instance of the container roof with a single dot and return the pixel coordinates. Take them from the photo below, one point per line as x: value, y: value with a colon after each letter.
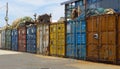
x: 67, y: 2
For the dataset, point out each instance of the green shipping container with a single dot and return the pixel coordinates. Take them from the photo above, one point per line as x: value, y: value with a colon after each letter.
x: 8, y: 40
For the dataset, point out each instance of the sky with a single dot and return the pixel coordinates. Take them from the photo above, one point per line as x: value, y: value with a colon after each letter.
x: 21, y: 8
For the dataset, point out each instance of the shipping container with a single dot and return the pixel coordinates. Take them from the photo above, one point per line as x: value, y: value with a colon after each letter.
x: 8, y: 39
x: 101, y: 38
x: 76, y: 39
x: 118, y: 38
x: 57, y: 39
x: 31, y: 39
x: 43, y: 39
x: 3, y: 39
x: 22, y: 32
x: 14, y: 40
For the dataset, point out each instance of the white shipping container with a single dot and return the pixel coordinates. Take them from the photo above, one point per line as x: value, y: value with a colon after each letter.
x: 43, y: 39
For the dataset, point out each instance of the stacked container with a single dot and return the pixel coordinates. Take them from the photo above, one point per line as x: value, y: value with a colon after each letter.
x: 31, y: 39
x: 76, y: 39
x: 101, y: 38
x: 8, y: 39
x: 14, y: 40
x: 22, y: 39
x: 43, y: 39
x: 57, y: 39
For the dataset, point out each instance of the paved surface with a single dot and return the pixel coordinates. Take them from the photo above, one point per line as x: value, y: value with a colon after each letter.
x: 17, y: 60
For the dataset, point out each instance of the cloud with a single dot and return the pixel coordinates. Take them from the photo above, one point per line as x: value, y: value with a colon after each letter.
x: 20, y: 8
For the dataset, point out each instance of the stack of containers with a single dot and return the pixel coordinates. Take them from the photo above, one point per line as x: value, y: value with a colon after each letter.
x: 22, y: 38
x: 57, y: 39
x: 3, y: 39
x: 101, y: 38
x: 14, y: 40
x: 76, y: 29
x: 31, y: 39
x: 8, y: 39
x: 43, y: 39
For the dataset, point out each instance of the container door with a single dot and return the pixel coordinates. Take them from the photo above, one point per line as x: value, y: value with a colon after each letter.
x: 92, y: 39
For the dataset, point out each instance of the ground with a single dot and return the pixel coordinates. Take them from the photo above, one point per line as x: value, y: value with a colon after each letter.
x: 18, y: 60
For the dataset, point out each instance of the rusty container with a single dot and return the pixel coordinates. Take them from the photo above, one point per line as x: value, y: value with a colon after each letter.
x: 57, y: 39
x: 43, y: 39
x: 22, y: 39
x: 118, y: 47
x: 101, y: 38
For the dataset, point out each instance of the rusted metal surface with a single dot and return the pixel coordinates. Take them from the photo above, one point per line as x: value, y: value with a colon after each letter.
x: 43, y: 39
x: 118, y: 47
x: 45, y: 18
x: 22, y: 39
x: 101, y: 38
x: 57, y: 39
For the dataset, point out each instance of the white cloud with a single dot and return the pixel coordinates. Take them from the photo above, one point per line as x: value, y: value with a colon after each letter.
x: 40, y: 2
x: 20, y: 8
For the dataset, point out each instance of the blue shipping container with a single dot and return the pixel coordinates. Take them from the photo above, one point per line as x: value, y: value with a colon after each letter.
x: 14, y: 40
x: 31, y: 39
x: 76, y: 39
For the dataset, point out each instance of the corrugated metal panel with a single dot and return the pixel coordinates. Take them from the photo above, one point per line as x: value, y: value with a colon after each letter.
x: 76, y: 39
x: 31, y: 39
x: 22, y: 32
x: 3, y: 39
x: 15, y: 40
x: 101, y: 43
x: 43, y: 39
x: 8, y: 39
x: 118, y: 48
x: 57, y: 39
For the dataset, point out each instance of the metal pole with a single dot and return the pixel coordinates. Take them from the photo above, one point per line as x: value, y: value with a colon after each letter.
x: 6, y: 17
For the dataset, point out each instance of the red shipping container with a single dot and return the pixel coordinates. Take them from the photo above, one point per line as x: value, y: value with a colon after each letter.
x: 22, y: 39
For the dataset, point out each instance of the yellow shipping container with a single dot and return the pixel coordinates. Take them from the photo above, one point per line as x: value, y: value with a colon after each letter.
x: 53, y: 28
x: 57, y: 39
x: 60, y: 27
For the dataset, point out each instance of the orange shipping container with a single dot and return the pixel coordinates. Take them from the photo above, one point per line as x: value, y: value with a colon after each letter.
x: 101, y: 38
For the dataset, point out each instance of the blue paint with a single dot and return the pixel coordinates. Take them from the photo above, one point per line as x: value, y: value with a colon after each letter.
x: 31, y: 39
x: 76, y: 39
x: 114, y: 4
x: 80, y: 26
x: 70, y: 39
x: 81, y: 38
x: 14, y: 40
